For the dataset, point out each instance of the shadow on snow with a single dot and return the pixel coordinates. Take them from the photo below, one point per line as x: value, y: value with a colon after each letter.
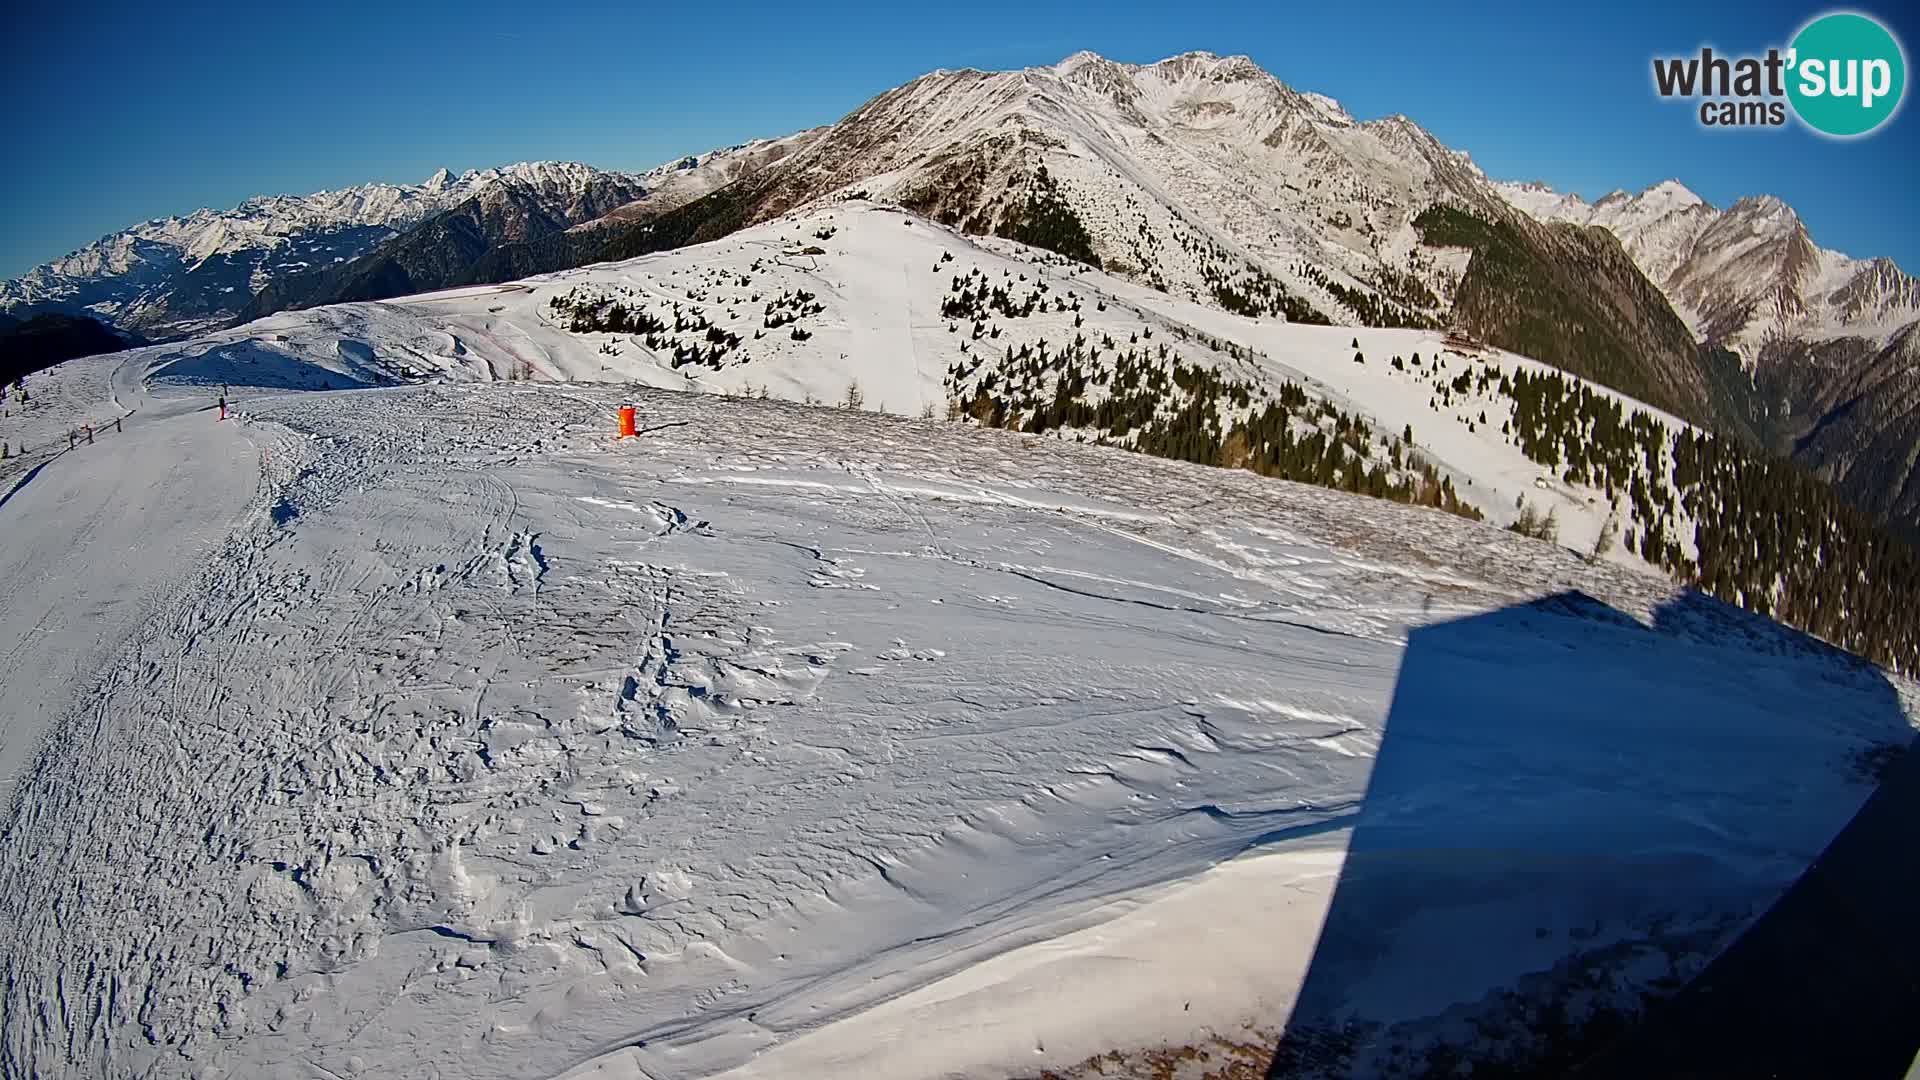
x: 1571, y: 813
x: 253, y: 364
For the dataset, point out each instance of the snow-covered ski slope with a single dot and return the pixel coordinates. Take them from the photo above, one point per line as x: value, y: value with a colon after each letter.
x: 446, y: 735
x: 77, y: 572
x: 873, y: 317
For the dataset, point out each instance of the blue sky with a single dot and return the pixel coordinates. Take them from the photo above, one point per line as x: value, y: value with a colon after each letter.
x: 122, y: 112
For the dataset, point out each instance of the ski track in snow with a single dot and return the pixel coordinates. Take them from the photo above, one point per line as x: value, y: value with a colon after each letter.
x: 87, y: 580
x: 485, y: 745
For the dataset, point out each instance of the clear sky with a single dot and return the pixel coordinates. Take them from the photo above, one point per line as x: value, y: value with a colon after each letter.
x: 121, y: 112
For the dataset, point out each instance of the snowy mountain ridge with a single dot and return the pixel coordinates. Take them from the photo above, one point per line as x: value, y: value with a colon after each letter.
x: 1829, y: 343
x: 1204, y: 178
x: 680, y: 181
x: 1280, y: 179
x: 183, y: 273
x: 1254, y: 178
x: 267, y: 220
x: 1210, y: 180
x: 1743, y: 275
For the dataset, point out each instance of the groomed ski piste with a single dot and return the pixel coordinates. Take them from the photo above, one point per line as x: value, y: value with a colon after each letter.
x: 409, y: 723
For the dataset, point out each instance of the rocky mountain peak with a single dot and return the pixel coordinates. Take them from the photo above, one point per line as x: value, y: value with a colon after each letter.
x: 1672, y: 193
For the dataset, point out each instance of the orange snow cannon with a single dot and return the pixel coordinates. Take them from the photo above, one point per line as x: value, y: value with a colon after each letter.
x: 626, y: 422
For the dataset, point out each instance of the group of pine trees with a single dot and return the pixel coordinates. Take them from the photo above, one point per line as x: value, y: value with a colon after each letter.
x: 1775, y: 540
x: 1750, y: 529
x: 1405, y: 288
x: 974, y: 298
x: 1557, y: 300
x: 685, y: 335
x: 583, y: 312
x: 1047, y: 220
x: 1148, y: 398
x: 790, y: 307
x: 1371, y: 309
x: 1258, y: 294
x: 1764, y: 534
x: 1242, y: 287
x: 1588, y: 437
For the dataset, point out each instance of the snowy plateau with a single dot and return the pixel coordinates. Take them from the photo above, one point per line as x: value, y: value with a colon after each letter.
x: 408, y: 723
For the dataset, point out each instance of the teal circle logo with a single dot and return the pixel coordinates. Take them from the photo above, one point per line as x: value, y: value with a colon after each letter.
x: 1848, y: 74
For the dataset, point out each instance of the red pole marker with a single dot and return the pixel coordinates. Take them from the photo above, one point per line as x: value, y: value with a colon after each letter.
x: 626, y: 422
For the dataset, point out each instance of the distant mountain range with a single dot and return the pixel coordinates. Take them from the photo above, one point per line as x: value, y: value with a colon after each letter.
x: 539, y: 201
x: 171, y: 277
x: 1200, y: 175
x: 178, y: 276
x: 175, y: 276
x: 1829, y: 341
